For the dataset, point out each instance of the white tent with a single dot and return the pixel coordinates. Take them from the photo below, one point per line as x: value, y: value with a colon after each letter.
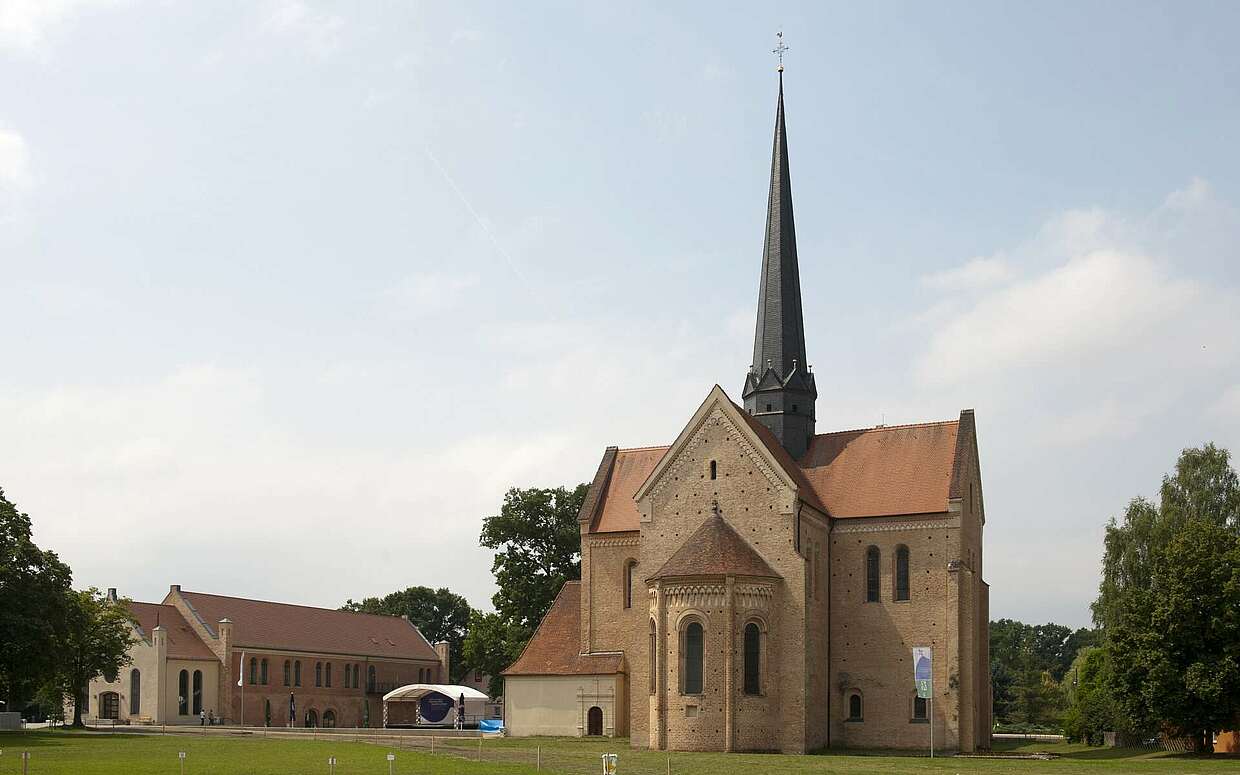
x: 475, y: 701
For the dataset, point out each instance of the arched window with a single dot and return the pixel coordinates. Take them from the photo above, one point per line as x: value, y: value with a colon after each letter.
x: 714, y: 470
x: 421, y: 675
x: 135, y: 692
x: 329, y: 718
x: 287, y: 672
x: 370, y: 679
x: 263, y: 672
x: 253, y: 670
x: 654, y: 657
x: 871, y: 575
x: 629, y: 567
x: 753, y: 659
x: 356, y: 683
x: 694, y: 643
x: 854, y: 707
x: 197, y: 692
x: 183, y: 693
x: 919, y: 709
x: 297, y: 673
x: 329, y: 675
x: 318, y: 673
x: 346, y: 676
x: 901, y: 585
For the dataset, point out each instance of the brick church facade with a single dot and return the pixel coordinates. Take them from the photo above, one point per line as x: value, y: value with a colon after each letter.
x: 757, y: 585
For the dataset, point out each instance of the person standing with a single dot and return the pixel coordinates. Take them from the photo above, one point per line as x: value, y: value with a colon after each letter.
x: 202, y: 718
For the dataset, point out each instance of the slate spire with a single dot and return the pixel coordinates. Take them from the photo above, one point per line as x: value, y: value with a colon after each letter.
x: 779, y: 389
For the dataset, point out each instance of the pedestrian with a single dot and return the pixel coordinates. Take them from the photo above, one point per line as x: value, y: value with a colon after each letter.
x: 211, y: 717
x: 202, y: 718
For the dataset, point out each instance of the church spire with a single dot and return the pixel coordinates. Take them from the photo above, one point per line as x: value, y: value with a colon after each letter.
x: 779, y: 389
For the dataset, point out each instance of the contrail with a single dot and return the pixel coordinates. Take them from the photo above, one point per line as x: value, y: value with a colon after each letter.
x: 512, y: 263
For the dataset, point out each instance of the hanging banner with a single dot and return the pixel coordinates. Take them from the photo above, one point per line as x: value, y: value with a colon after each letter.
x: 922, y: 670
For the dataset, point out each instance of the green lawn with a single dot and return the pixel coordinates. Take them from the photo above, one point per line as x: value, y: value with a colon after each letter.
x: 69, y: 753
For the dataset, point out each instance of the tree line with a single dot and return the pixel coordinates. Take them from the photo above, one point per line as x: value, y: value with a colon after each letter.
x: 1164, y: 657
x: 53, y: 639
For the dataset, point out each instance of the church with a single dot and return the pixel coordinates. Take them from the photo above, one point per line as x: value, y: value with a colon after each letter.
x: 759, y: 585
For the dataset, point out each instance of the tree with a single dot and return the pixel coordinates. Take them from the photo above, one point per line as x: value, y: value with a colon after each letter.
x: 1027, y: 667
x: 1176, y: 645
x: 1166, y: 595
x: 538, y: 543
x: 494, y: 643
x: 437, y: 613
x: 1091, y: 707
x: 95, y: 641
x: 33, y: 587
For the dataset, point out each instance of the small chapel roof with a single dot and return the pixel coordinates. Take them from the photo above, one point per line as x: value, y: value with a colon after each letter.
x: 715, y: 549
x: 555, y: 648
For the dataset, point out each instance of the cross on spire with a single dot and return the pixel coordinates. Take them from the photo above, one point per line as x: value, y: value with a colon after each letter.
x: 779, y: 49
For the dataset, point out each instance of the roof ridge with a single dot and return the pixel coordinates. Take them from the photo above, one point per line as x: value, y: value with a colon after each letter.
x: 889, y: 427
x: 295, y: 605
x: 642, y: 449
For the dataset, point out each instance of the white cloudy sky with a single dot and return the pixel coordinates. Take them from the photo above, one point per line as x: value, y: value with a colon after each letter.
x: 293, y: 291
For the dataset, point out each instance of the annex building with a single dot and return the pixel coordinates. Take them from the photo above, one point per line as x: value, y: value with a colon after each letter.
x: 299, y: 665
x: 760, y: 585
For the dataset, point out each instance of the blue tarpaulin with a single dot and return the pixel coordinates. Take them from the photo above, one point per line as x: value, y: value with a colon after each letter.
x: 491, y: 725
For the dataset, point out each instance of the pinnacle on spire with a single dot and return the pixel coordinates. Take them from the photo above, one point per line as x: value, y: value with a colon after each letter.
x: 779, y: 390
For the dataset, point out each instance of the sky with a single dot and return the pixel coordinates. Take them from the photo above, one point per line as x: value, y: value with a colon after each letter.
x: 294, y: 291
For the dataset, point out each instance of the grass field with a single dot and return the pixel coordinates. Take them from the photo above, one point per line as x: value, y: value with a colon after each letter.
x: 70, y: 753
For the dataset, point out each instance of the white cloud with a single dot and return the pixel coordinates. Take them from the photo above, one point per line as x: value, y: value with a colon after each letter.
x: 14, y: 160
x: 428, y: 292
x: 25, y: 24
x: 465, y: 36
x: 317, y: 30
x: 1227, y: 406
x: 978, y: 273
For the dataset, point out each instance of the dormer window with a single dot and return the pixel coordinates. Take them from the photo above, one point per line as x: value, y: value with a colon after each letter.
x: 714, y: 470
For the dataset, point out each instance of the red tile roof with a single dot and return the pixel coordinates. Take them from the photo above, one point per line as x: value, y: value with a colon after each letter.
x: 260, y: 624
x: 183, y: 641
x: 556, y: 645
x: 617, y: 511
x: 871, y: 472
x: 877, y: 472
x: 715, y: 549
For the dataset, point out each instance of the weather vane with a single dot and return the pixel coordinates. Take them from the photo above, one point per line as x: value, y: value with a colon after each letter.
x: 780, y: 49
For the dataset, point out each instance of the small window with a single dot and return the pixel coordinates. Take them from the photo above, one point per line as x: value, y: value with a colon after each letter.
x: 714, y: 470
x: 768, y: 407
x: 854, y: 707
x: 628, y: 583
x: 477, y: 676
x: 287, y: 673
x: 694, y: 647
x: 253, y: 671
x: 872, y: 575
x: 794, y: 408
x: 318, y: 673
x: 370, y: 679
x: 753, y: 659
x: 263, y: 672
x: 297, y: 673
x: 654, y: 657
x: 902, y: 587
x: 919, y: 708
x: 329, y: 675
x: 356, y: 683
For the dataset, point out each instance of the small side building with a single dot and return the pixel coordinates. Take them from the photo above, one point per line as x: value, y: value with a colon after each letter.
x: 553, y: 689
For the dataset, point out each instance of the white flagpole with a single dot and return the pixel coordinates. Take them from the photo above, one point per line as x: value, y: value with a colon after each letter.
x: 241, y: 683
x: 932, y: 713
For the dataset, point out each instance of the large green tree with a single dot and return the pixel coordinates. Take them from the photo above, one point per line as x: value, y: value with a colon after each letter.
x: 494, y: 643
x: 1176, y: 645
x: 439, y: 615
x: 1028, y: 663
x: 33, y: 588
x: 94, y: 641
x: 537, y: 543
x: 1167, y: 596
